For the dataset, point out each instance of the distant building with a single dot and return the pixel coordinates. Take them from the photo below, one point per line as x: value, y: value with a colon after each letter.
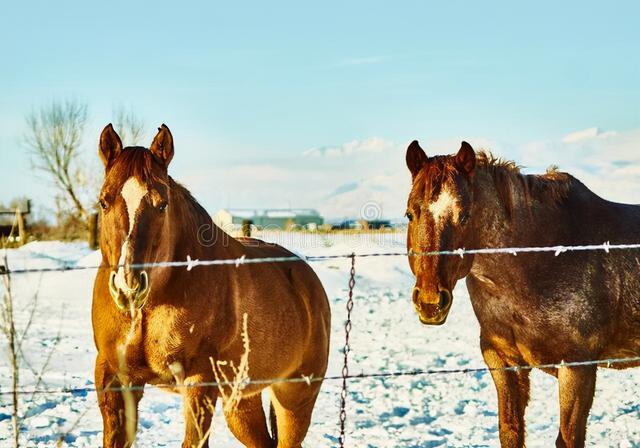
x: 362, y: 224
x: 269, y: 218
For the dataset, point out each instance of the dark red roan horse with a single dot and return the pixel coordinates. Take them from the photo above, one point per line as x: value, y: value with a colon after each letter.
x: 156, y: 324
x: 533, y: 308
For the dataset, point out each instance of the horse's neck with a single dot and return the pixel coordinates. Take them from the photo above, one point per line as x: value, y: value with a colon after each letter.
x: 496, y: 224
x: 505, y: 218
x: 193, y: 233
x: 204, y: 240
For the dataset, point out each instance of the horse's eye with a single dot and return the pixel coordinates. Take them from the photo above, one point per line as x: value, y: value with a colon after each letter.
x: 103, y: 204
x: 464, y: 218
x: 163, y: 206
x: 409, y: 216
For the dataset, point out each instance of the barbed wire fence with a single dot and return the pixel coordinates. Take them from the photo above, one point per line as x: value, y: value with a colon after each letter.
x: 191, y: 263
x: 345, y: 375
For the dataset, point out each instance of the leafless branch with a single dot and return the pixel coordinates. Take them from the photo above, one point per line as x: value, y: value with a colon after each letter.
x: 53, y: 138
x: 128, y: 125
x: 9, y: 329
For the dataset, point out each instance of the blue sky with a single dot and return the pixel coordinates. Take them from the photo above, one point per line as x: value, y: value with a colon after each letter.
x: 262, y: 83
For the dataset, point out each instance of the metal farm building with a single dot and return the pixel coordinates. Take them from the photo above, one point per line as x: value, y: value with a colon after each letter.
x: 284, y: 219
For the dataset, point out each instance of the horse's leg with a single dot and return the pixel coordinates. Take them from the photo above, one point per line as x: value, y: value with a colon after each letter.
x: 577, y: 386
x: 513, y: 396
x: 248, y: 423
x: 293, y: 404
x: 199, y: 403
x: 119, y: 409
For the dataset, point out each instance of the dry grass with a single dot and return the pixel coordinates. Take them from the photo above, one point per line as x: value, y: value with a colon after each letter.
x: 238, y: 381
x: 229, y: 387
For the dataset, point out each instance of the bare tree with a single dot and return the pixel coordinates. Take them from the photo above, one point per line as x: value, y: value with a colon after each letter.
x: 128, y: 125
x: 53, y: 137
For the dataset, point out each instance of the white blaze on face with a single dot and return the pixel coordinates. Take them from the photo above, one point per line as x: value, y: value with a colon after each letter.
x: 132, y: 192
x: 446, y: 205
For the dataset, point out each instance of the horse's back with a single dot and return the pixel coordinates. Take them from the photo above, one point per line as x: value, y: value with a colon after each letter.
x: 295, y: 269
x: 259, y: 248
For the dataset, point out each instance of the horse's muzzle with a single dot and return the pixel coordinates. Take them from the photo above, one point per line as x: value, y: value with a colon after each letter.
x: 129, y: 297
x: 432, y: 308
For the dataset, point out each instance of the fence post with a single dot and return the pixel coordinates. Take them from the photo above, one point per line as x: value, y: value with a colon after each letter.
x: 246, y: 227
x: 347, y: 348
x: 93, y: 235
x: 22, y: 236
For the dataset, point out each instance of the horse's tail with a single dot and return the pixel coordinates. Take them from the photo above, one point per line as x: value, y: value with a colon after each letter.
x: 273, y: 424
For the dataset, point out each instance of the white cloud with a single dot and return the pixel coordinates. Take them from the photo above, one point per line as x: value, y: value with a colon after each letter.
x: 372, y: 144
x: 587, y: 134
x: 607, y: 162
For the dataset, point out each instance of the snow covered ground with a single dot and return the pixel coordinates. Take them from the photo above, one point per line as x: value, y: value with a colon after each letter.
x: 411, y: 411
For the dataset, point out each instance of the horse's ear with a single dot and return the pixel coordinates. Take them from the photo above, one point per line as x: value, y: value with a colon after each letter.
x: 416, y: 158
x: 162, y: 146
x: 466, y: 158
x: 110, y: 145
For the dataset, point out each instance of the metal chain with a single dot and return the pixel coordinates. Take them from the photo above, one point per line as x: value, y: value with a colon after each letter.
x: 347, y: 349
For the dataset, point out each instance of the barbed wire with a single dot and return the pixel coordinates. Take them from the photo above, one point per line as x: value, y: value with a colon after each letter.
x: 190, y: 263
x: 607, y: 362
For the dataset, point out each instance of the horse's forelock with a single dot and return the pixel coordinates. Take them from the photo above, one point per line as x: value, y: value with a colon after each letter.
x: 436, y: 172
x: 138, y: 162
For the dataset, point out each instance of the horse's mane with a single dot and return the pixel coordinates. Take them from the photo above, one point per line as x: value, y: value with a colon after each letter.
x: 196, y: 212
x: 550, y: 188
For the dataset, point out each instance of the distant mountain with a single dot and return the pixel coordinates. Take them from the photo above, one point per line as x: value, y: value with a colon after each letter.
x: 377, y: 197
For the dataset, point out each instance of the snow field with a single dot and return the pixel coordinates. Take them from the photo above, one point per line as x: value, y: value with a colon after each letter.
x: 411, y: 411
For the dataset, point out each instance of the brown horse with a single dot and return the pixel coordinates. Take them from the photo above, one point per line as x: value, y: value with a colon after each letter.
x: 533, y: 308
x: 164, y: 325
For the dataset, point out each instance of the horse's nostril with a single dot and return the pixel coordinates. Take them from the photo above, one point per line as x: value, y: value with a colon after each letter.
x: 445, y: 299
x: 416, y: 295
x: 144, y: 281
